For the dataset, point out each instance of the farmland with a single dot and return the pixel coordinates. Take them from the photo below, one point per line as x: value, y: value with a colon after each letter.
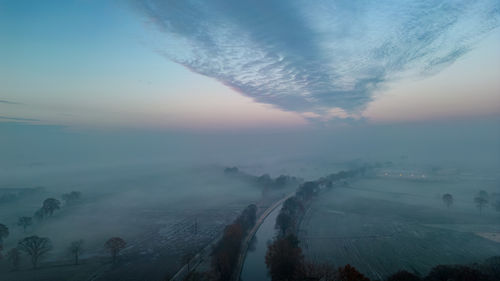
x: 386, y: 223
x: 165, y: 214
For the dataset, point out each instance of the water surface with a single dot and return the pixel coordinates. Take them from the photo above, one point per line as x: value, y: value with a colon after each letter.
x: 254, y: 267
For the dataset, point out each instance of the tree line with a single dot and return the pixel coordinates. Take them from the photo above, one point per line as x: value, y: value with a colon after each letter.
x: 225, y: 253
x: 284, y: 257
x: 285, y: 260
x: 36, y: 248
x: 294, y: 207
x: 265, y: 180
x: 481, y: 200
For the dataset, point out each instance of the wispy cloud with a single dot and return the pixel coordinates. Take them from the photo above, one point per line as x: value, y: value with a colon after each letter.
x: 315, y: 56
x: 9, y: 102
x: 18, y: 119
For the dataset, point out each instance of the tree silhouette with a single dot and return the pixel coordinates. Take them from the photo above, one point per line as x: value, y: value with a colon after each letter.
x: 36, y: 247
x: 481, y: 200
x: 483, y: 194
x: 50, y: 205
x: 4, y: 232
x: 284, y: 258
x: 248, y: 217
x: 448, y: 200
x: 114, y: 246
x: 349, y: 273
x: 24, y: 222
x: 76, y: 248
x: 14, y: 258
x: 225, y: 253
x: 284, y: 222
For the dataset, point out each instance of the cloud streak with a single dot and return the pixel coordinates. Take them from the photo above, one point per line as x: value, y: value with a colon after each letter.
x: 9, y: 102
x: 18, y: 119
x: 315, y: 56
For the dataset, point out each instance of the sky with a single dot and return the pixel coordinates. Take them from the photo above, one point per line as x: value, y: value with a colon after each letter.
x: 247, y: 64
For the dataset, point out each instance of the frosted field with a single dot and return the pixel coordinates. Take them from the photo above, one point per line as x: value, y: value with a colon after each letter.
x: 153, y: 208
x: 381, y: 225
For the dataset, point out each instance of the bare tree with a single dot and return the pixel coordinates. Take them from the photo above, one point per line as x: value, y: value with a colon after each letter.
x: 36, y: 247
x: 24, y: 222
x: 481, y: 200
x: 76, y: 248
x: 14, y: 257
x: 448, y: 199
x: 4, y: 232
x: 50, y: 205
x: 115, y: 245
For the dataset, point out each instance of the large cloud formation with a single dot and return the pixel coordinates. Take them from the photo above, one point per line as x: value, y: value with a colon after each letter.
x: 312, y: 56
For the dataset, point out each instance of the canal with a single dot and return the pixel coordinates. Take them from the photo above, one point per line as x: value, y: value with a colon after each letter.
x: 254, y: 267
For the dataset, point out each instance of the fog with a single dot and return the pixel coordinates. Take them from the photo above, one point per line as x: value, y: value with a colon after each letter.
x: 459, y: 143
x: 188, y: 140
x: 152, y: 187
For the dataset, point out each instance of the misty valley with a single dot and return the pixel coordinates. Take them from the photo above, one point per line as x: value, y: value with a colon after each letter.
x: 244, y: 140
x: 166, y: 222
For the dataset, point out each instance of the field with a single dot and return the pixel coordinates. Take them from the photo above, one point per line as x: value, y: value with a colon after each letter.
x: 163, y: 213
x: 383, y: 224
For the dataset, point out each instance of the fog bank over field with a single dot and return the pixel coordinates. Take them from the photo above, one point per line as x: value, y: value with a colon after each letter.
x: 169, y: 195
x: 249, y: 140
x: 39, y: 148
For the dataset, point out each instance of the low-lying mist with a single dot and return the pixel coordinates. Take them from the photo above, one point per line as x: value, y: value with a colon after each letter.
x: 472, y: 143
x: 166, y: 193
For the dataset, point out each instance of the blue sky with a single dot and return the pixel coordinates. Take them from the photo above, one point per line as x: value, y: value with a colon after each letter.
x: 224, y: 64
